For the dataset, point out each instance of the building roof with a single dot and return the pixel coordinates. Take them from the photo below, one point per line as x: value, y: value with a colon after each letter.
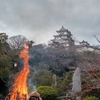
x: 62, y: 30
x: 84, y: 43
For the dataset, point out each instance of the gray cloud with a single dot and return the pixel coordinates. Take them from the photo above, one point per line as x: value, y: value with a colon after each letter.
x: 39, y: 19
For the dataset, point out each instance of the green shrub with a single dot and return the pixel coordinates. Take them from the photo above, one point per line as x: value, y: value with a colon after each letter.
x: 47, y: 92
x: 91, y: 98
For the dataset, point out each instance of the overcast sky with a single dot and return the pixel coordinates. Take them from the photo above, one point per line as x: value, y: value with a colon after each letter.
x: 38, y: 20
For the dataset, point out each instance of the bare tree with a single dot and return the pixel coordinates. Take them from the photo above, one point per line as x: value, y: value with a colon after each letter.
x: 97, y: 38
x: 17, y: 42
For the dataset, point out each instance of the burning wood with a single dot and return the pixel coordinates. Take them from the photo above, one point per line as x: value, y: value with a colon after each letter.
x: 20, y: 89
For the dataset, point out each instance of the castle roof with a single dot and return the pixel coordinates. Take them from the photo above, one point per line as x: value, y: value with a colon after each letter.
x: 62, y: 30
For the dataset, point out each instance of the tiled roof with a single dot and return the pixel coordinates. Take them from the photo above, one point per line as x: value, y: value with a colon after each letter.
x: 62, y: 30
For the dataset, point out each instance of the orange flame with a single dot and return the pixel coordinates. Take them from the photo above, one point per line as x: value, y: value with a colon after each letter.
x: 20, y: 89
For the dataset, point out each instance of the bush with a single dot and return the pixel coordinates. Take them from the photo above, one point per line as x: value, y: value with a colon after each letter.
x: 91, y: 98
x: 47, y: 92
x: 43, y: 78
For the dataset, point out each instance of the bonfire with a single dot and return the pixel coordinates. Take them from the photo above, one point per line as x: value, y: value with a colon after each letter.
x: 19, y: 89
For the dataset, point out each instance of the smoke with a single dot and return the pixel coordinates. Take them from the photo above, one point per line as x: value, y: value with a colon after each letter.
x: 32, y: 86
